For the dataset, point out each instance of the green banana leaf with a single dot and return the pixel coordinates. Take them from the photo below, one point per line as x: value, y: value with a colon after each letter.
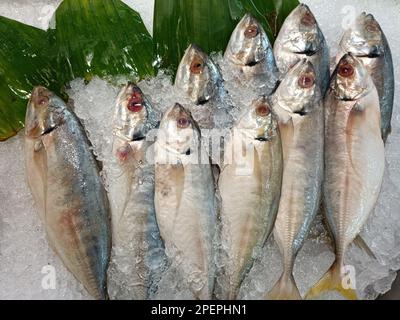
x: 24, y: 63
x: 103, y: 38
x: 209, y: 24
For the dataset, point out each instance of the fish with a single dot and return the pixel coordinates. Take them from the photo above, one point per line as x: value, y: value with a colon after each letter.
x: 354, y: 163
x: 300, y: 113
x: 65, y: 181
x: 184, y: 199
x: 250, y: 53
x: 200, y: 79
x: 366, y: 40
x: 136, y: 237
x: 250, y: 188
x: 301, y: 37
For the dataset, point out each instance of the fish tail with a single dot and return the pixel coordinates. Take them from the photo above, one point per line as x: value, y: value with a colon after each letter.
x: 285, y: 289
x: 332, y: 280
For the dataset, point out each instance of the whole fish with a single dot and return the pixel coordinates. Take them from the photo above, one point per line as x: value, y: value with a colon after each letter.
x: 354, y: 162
x: 300, y: 37
x: 201, y: 80
x: 298, y: 105
x: 250, y: 188
x: 184, y: 199
x: 250, y: 53
x: 136, y: 238
x: 366, y: 40
x: 65, y: 181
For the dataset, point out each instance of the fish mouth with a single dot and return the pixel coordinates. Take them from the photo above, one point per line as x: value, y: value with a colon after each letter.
x: 40, y: 97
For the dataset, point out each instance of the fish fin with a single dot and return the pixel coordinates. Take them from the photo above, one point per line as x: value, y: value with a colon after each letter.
x: 285, y: 289
x: 331, y: 281
x: 359, y: 242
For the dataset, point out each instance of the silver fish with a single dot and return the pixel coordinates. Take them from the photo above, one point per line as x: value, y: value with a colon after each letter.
x: 354, y: 162
x: 300, y: 37
x: 184, y: 199
x: 136, y: 238
x: 201, y: 80
x: 298, y: 105
x: 250, y: 189
x: 250, y: 52
x: 366, y: 40
x: 65, y: 182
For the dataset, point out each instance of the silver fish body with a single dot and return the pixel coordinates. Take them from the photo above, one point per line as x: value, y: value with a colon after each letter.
x: 354, y: 162
x: 366, y: 40
x: 250, y: 189
x: 65, y: 182
x: 301, y: 38
x: 250, y: 53
x: 137, y: 246
x: 184, y: 200
x: 298, y: 105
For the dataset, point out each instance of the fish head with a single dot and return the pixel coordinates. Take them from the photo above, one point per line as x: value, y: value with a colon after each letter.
x: 350, y: 80
x: 249, y: 44
x: 134, y: 116
x: 197, y: 75
x: 179, y: 131
x: 299, y: 88
x: 258, y: 122
x: 364, y: 38
x: 45, y: 112
x: 301, y: 32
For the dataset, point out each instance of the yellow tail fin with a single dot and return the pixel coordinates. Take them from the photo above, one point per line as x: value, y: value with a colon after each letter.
x: 332, y: 281
x: 285, y: 289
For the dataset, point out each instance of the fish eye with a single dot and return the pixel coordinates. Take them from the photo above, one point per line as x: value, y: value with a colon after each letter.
x: 262, y: 110
x: 196, y: 67
x: 42, y: 101
x: 183, y: 122
x: 346, y: 70
x: 306, y: 80
x: 308, y: 19
x: 251, y: 31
